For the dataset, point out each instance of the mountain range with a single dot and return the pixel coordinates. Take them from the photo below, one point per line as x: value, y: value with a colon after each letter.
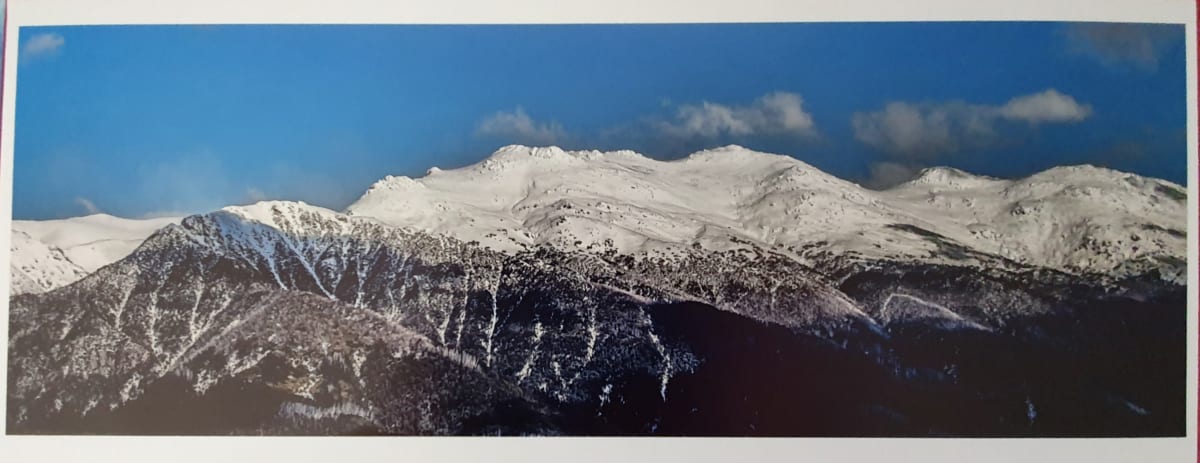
x: 545, y: 291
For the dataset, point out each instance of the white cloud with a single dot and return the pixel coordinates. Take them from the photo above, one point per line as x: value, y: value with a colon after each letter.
x: 778, y: 113
x: 87, y: 205
x: 1047, y: 106
x: 517, y: 126
x: 43, y: 44
x: 923, y: 131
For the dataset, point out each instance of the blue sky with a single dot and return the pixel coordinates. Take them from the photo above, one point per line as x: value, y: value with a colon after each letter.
x: 152, y: 120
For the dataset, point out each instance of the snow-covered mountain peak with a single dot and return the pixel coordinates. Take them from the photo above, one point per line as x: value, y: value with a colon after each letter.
x: 1096, y: 183
x: 395, y: 183
x: 735, y: 153
x: 514, y: 155
x: 544, y: 152
x: 1078, y: 172
x: 266, y: 211
x: 745, y: 167
x: 948, y: 178
x: 540, y: 158
x: 295, y: 217
x: 1056, y: 178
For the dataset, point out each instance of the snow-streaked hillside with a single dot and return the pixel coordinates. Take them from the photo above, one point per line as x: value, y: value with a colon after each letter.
x: 1079, y: 219
x: 47, y: 254
x: 330, y: 249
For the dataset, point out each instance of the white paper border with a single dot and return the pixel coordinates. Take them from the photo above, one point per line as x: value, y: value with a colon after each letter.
x: 578, y: 450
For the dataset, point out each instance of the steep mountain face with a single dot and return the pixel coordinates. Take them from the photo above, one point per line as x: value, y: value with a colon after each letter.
x: 48, y: 254
x: 559, y: 292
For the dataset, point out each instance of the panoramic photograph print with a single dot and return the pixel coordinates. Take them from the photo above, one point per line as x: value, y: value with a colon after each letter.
x: 922, y: 229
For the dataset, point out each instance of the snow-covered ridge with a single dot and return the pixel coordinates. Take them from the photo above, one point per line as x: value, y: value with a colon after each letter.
x: 523, y: 196
x: 46, y: 254
x: 1080, y: 219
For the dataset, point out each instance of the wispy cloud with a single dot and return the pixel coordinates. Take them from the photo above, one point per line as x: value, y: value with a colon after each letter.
x: 516, y: 126
x: 913, y: 135
x: 43, y: 44
x: 255, y: 195
x: 778, y: 113
x: 1140, y: 45
x: 87, y: 205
